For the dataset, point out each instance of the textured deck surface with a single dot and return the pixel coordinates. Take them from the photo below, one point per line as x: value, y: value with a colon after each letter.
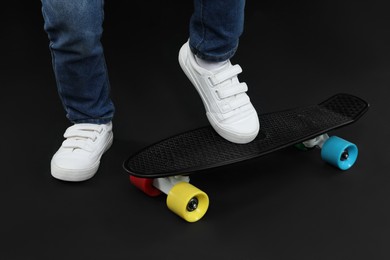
x: 204, y: 148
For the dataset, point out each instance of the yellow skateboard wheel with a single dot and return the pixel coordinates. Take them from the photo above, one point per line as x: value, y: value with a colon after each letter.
x: 187, y: 201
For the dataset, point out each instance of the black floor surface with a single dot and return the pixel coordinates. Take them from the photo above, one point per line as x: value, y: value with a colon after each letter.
x: 287, y: 205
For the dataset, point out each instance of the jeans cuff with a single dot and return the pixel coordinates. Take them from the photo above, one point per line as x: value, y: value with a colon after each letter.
x: 214, y: 58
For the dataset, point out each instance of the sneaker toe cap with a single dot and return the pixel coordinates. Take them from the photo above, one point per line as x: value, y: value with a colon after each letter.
x: 246, y: 126
x: 243, y: 130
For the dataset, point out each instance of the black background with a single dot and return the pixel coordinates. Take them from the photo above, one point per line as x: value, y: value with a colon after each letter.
x: 288, y: 205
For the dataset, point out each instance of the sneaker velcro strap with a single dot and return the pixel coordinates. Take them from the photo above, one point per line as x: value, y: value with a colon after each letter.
x: 85, y: 127
x: 225, y: 74
x: 239, y: 102
x: 232, y: 90
x: 74, y: 133
x: 77, y: 144
x: 236, y: 103
x: 83, y: 130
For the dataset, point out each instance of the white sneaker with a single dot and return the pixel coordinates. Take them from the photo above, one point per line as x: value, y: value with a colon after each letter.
x: 228, y: 107
x: 79, y: 156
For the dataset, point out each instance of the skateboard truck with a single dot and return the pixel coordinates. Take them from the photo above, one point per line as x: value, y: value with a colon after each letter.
x: 166, y: 184
x: 318, y: 141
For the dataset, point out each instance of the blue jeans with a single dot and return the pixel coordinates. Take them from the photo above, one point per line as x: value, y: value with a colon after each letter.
x: 74, y: 28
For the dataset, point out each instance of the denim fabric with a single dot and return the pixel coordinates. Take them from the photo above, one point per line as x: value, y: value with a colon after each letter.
x: 74, y: 28
x: 215, y: 28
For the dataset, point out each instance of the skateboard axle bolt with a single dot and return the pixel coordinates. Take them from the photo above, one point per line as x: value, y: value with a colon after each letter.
x: 344, y: 155
x: 192, y: 204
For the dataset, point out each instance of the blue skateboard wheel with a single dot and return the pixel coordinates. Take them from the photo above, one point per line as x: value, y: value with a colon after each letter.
x: 339, y: 153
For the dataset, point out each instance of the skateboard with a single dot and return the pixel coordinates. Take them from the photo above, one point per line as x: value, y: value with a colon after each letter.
x: 164, y: 167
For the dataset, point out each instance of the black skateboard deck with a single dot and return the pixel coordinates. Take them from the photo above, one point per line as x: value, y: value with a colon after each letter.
x: 165, y: 165
x: 203, y: 148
